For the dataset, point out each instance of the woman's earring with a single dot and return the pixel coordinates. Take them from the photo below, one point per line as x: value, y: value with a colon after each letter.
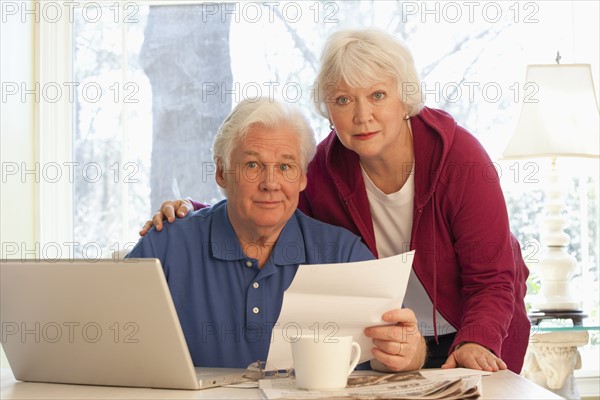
x: 331, y: 127
x: 406, y: 117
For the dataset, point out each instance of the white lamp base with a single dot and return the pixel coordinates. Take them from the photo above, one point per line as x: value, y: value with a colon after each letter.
x: 556, y: 266
x: 555, y: 270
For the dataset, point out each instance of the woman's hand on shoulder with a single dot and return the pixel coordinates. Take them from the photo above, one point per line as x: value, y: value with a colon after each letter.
x: 168, y: 210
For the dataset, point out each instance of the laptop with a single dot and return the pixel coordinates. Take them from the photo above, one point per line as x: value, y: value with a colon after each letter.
x: 97, y: 323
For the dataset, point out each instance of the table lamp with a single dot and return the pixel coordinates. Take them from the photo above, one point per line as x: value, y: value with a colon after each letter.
x: 559, y: 120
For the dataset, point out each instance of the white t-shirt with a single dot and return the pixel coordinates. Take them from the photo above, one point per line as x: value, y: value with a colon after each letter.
x: 392, y: 222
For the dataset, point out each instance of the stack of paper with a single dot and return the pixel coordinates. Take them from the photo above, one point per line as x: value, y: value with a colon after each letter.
x: 446, y: 384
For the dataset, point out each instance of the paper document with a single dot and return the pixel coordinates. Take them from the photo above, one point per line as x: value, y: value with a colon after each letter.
x: 339, y: 300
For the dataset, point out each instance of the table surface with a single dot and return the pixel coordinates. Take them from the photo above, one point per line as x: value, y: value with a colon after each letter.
x: 500, y: 385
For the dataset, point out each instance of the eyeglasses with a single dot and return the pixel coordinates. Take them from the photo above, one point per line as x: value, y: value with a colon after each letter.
x: 264, y: 370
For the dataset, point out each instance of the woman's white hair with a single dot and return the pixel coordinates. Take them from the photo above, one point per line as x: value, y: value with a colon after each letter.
x: 362, y: 57
x: 268, y: 113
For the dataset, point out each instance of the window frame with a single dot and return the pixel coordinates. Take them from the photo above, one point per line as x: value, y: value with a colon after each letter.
x: 54, y: 134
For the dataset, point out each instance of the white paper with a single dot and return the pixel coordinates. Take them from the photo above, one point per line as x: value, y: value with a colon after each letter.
x: 339, y: 300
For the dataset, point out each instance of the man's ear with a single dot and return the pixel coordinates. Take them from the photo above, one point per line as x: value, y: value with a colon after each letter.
x: 303, y: 181
x: 220, y: 176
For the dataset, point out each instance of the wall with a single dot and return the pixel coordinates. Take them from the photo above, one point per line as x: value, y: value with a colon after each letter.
x: 18, y: 144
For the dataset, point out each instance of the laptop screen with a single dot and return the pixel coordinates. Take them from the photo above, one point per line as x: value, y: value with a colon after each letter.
x: 104, y: 322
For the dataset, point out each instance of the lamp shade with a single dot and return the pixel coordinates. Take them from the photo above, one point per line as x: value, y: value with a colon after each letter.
x: 560, y: 117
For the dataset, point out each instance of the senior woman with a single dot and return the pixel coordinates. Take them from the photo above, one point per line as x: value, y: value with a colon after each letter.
x: 404, y: 176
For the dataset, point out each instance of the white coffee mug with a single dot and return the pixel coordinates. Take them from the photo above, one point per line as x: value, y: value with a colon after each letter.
x: 322, y: 362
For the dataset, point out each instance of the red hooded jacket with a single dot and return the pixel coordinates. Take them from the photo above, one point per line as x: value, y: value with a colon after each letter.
x: 466, y: 257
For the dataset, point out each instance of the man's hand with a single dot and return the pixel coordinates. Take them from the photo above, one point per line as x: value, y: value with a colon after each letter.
x: 168, y: 210
x: 474, y: 356
x: 398, y: 347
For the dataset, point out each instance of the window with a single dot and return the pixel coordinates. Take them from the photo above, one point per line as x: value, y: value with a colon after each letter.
x: 152, y: 83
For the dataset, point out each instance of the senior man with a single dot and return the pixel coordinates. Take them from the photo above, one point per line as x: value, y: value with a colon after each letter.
x: 228, y: 265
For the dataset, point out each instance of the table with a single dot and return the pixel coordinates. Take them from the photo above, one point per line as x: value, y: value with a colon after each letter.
x: 503, y: 385
x: 537, y: 316
x: 553, y: 355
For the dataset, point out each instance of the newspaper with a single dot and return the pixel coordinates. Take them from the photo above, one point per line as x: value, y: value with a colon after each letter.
x: 455, y: 384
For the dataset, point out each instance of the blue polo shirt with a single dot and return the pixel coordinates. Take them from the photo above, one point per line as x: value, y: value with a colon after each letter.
x: 226, y: 305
